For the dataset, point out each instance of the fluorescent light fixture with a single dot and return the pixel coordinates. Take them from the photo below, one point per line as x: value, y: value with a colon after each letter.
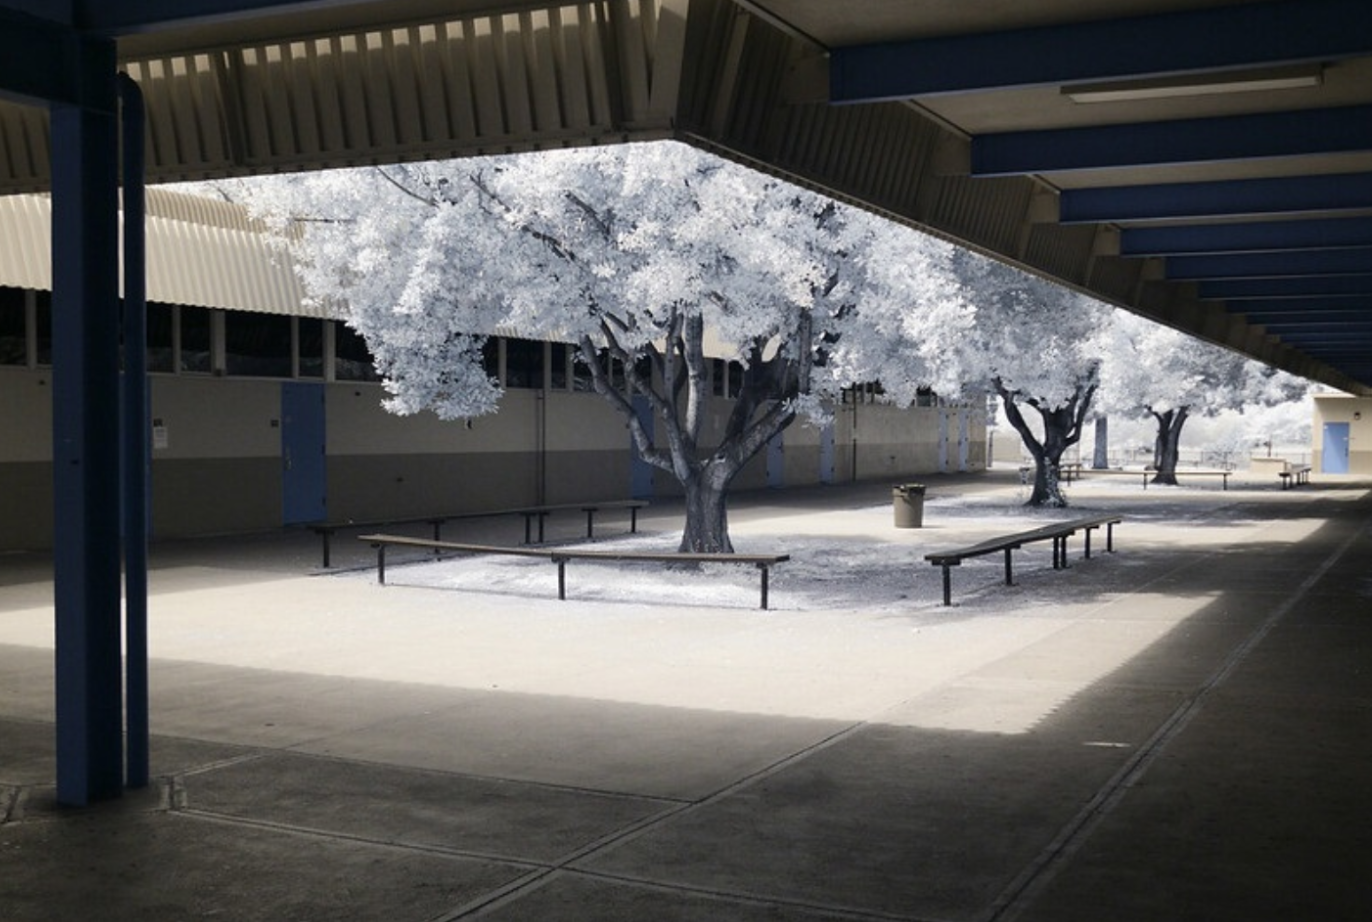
x: 1211, y: 84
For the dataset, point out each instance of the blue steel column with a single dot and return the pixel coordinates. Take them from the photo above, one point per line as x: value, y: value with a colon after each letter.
x: 135, y: 438
x: 85, y: 270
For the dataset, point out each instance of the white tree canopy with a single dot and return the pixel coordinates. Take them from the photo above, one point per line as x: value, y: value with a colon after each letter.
x: 1153, y: 368
x: 632, y: 252
x: 429, y: 258
x: 1035, y: 337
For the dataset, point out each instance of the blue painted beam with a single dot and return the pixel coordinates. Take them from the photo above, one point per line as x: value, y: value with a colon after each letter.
x: 85, y: 465
x: 38, y: 61
x: 1308, y: 328
x: 1270, y: 318
x: 1328, y: 345
x: 1342, y: 285
x: 1300, y: 133
x: 1306, y: 306
x: 1352, y: 365
x: 1293, y: 195
x: 1302, y: 263
x: 1142, y: 46
x: 1331, y: 233
x: 133, y: 16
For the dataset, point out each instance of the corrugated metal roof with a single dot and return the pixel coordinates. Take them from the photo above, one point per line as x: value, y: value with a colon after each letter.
x: 489, y: 82
x: 201, y: 252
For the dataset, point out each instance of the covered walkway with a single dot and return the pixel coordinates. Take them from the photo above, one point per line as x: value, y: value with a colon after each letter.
x: 1180, y: 731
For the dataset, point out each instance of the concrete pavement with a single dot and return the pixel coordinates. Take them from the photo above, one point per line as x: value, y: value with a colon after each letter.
x: 1178, y: 732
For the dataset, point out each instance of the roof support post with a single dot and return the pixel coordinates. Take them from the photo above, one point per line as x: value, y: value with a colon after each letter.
x: 85, y: 244
x: 134, y: 434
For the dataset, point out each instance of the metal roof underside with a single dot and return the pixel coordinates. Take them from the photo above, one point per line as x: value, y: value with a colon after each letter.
x: 1206, y: 163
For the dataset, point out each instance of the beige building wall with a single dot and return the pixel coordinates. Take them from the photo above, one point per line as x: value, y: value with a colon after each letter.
x: 877, y: 441
x: 1356, y: 413
x: 25, y: 458
x: 217, y: 453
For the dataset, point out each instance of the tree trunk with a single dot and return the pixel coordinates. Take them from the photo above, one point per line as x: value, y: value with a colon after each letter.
x: 1061, y: 430
x: 1100, y: 458
x: 677, y: 390
x: 1167, y: 445
x: 1047, y: 478
x: 707, y: 517
x: 1047, y: 454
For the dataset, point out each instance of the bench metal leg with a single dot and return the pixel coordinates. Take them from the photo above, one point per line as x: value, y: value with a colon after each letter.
x: 1087, y: 550
x: 324, y: 533
x: 763, y: 568
x: 380, y: 564
x: 948, y: 582
x: 1110, y: 537
x: 528, y: 525
x: 562, y: 580
x: 590, y: 523
x: 1060, y: 552
x: 633, y: 520
x: 1009, y: 574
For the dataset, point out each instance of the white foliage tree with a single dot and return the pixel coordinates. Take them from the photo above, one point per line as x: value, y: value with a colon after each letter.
x: 633, y: 252
x: 1172, y: 377
x: 1031, y: 342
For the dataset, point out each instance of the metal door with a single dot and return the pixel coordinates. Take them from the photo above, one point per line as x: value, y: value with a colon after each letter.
x: 826, y: 454
x: 303, y: 484
x: 776, y: 462
x: 640, y: 471
x: 1335, y: 459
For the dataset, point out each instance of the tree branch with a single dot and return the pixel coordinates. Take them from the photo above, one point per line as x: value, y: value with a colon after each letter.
x: 427, y: 200
x: 643, y: 441
x: 604, y: 224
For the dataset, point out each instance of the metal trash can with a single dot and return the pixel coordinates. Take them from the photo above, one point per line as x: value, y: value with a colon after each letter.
x: 907, y: 499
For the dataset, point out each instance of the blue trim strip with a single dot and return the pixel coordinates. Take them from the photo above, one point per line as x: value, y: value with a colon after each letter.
x: 1331, y: 233
x: 1340, y: 306
x: 1300, y: 133
x: 1275, y: 319
x: 1359, y: 285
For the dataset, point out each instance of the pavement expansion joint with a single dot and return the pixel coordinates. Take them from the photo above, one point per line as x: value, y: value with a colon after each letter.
x: 37, y: 803
x: 470, y: 776
x: 1015, y: 897
x: 740, y: 897
x: 334, y: 835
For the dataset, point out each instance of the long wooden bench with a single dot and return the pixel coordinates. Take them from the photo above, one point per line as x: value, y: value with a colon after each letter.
x: 1077, y: 472
x: 1058, y: 533
x: 327, y: 530
x: 560, y: 556
x: 1294, y: 477
x: 1223, y: 475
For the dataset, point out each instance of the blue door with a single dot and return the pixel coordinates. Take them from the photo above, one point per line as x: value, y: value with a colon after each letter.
x: 776, y: 462
x: 303, y: 486
x: 640, y: 471
x: 826, y: 453
x: 1335, y: 460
